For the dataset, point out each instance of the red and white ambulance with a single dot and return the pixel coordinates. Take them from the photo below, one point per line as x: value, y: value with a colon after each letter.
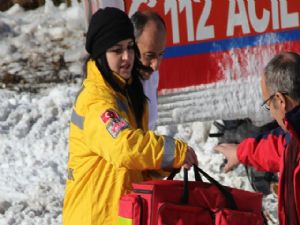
x: 215, y: 54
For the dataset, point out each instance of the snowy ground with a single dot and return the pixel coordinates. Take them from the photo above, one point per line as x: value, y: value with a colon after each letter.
x: 44, y: 48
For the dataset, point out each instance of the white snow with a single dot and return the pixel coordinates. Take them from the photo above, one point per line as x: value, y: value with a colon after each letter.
x: 34, y: 127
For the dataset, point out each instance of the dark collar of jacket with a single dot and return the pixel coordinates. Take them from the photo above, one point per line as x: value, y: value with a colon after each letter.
x: 293, y: 120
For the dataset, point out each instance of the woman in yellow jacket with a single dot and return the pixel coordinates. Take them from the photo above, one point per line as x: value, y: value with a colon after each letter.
x: 110, y: 146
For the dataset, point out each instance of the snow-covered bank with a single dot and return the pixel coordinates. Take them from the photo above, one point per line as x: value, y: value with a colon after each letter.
x: 33, y: 134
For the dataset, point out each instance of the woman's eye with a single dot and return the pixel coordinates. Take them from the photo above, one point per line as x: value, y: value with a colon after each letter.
x: 130, y: 47
x: 117, y: 50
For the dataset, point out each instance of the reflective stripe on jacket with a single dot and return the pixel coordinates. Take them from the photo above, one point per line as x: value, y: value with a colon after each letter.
x: 268, y: 152
x: 107, y: 153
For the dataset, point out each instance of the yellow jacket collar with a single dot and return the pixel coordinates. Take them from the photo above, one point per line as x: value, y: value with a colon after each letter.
x: 93, y: 73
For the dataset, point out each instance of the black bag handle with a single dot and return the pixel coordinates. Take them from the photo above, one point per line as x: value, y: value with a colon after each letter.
x: 185, y: 195
x: 197, y: 171
x: 227, y: 195
x: 175, y: 171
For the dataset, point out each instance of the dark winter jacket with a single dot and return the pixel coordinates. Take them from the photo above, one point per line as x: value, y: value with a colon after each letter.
x: 278, y: 151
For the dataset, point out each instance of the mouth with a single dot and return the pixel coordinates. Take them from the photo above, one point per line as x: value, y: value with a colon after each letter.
x: 145, y: 71
x: 125, y: 67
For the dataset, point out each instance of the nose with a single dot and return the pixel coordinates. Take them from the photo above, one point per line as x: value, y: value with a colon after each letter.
x: 155, y: 63
x: 125, y: 55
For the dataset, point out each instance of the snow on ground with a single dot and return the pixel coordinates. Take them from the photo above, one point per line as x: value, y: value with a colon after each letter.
x: 44, y: 48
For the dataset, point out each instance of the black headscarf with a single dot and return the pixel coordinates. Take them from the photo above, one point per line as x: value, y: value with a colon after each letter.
x: 108, y: 26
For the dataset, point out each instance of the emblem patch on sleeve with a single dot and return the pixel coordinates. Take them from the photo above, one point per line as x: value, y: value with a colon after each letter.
x: 114, y: 123
x: 107, y: 115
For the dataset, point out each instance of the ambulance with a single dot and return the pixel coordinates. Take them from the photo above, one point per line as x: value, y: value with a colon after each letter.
x: 215, y: 54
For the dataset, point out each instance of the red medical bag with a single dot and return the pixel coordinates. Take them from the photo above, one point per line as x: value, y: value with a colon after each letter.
x: 174, y: 202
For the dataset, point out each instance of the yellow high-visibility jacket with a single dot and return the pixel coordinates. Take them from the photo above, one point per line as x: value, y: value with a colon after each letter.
x: 107, y: 153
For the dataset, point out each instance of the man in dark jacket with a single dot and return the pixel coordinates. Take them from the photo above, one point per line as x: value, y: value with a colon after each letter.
x: 279, y: 149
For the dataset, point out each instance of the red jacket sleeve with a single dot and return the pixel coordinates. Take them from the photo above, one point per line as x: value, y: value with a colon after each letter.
x: 264, y: 151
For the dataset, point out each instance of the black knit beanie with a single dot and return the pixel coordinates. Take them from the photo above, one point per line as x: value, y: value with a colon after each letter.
x: 108, y: 26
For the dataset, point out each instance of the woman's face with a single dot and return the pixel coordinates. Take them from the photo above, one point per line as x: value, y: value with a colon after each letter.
x: 120, y: 58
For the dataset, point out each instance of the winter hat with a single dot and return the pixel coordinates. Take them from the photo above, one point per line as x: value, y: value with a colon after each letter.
x: 108, y: 26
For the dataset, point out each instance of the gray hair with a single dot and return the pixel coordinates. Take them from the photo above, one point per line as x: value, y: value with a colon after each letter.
x: 140, y: 19
x: 282, y: 74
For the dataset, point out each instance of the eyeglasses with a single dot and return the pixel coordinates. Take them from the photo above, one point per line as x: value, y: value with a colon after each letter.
x: 265, y: 105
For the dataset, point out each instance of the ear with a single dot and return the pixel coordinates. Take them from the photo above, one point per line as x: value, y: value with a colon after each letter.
x: 282, y: 102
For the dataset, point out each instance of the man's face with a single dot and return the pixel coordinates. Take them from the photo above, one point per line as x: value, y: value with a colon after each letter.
x: 151, y: 44
x: 277, y: 110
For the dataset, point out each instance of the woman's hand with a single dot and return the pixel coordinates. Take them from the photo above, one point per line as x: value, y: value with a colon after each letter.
x: 190, y: 158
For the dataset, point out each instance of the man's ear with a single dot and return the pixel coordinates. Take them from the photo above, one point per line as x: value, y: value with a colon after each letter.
x: 282, y: 102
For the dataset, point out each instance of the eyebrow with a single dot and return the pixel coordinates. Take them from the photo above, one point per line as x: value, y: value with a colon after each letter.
x: 120, y: 45
x: 153, y: 53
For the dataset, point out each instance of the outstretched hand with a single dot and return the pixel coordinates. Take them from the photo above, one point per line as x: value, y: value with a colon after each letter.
x: 229, y: 151
x: 190, y: 158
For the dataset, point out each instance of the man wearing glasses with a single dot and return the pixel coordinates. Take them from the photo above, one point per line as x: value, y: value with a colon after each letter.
x: 279, y: 149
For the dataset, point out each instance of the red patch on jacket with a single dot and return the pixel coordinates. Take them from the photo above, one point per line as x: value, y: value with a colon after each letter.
x: 114, y: 122
x: 109, y: 114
